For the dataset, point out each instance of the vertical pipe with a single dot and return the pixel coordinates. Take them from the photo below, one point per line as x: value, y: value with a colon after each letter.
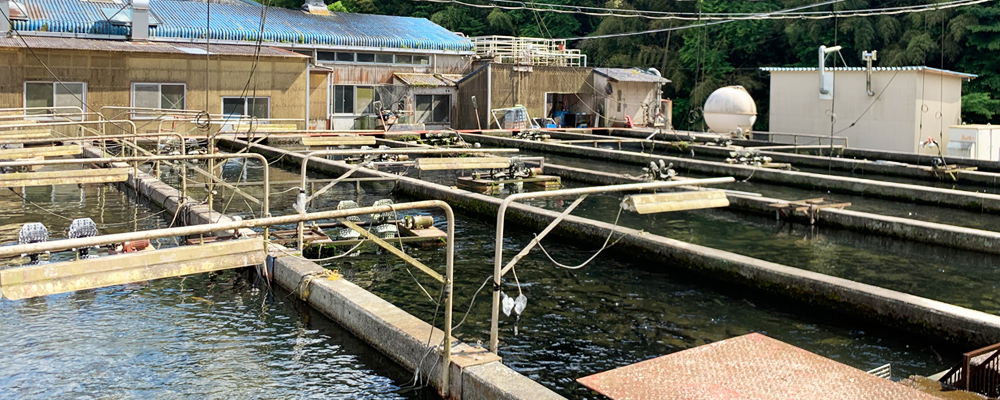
x: 489, y: 94
x: 308, y: 89
x: 448, y: 284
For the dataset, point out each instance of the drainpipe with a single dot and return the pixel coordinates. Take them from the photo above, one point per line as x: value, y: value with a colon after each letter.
x: 308, y: 89
x: 823, y: 51
x: 869, y: 56
x: 489, y: 94
x: 5, y: 21
x: 140, y: 20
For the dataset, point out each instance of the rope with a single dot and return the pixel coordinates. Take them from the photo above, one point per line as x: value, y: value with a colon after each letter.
x: 303, y: 288
x: 454, y: 328
x: 604, y: 247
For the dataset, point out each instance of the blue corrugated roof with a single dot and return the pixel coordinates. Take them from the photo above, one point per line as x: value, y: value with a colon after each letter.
x: 241, y: 22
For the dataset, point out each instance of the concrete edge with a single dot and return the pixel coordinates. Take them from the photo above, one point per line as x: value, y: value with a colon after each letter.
x: 394, y: 332
x: 864, y: 187
x: 884, y: 306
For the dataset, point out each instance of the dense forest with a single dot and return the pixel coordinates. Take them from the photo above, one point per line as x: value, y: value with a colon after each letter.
x: 700, y: 58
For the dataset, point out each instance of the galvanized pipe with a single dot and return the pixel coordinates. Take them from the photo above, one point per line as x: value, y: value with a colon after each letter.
x: 502, y: 211
x: 26, y: 109
x: 62, y: 115
x: 65, y: 244
x: 310, y: 155
x: 77, y: 161
x: 101, y: 122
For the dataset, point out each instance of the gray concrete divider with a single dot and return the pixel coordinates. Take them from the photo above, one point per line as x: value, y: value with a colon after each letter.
x: 887, y: 307
x: 476, y: 373
x: 902, y: 228
x: 865, y: 187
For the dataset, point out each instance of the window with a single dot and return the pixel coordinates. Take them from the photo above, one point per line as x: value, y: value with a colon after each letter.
x: 366, y: 58
x: 157, y: 95
x: 383, y: 58
x: 54, y: 94
x: 259, y: 107
x: 343, y: 99
x: 401, y: 59
x: 345, y: 57
x: 352, y: 99
x: 326, y: 56
x: 433, y: 108
x: 422, y: 60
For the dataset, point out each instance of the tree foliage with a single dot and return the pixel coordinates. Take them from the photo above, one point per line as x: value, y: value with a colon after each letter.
x: 700, y: 59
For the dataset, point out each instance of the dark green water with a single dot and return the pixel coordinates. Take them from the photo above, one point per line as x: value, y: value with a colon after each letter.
x: 204, y: 336
x: 922, y: 212
x: 615, y: 312
x: 611, y: 313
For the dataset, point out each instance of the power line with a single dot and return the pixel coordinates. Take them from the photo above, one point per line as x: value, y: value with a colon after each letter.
x: 690, y: 16
x: 771, y: 15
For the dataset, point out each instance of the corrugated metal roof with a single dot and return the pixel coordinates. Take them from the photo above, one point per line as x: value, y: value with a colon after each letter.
x: 630, y: 75
x: 429, y: 79
x: 145, y: 47
x: 241, y: 22
x: 874, y: 69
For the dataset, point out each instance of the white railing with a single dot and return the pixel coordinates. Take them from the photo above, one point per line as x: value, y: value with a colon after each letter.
x: 528, y: 51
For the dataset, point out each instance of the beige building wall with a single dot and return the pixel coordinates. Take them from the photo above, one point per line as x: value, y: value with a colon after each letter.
x: 632, y: 99
x: 913, y: 105
x: 109, y: 77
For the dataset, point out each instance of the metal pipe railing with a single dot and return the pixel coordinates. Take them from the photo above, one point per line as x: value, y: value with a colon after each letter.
x: 502, y: 211
x: 66, y: 244
x: 310, y: 155
x: 59, y: 115
x: 103, y: 124
x: 26, y: 109
x: 266, y: 204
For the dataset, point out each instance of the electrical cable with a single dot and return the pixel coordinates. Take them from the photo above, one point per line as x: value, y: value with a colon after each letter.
x: 587, y: 261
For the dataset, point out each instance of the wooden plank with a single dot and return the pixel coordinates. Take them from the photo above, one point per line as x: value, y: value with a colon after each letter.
x: 338, y: 141
x: 45, y: 178
x: 42, y: 280
x: 47, y: 151
x: 676, y: 201
x: 25, y: 134
x: 449, y: 163
x: 392, y: 249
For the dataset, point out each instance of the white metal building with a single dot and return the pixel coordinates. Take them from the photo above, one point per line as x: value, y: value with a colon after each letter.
x: 894, y: 109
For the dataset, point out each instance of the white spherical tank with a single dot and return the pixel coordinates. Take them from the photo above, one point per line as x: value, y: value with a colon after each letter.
x: 730, y: 110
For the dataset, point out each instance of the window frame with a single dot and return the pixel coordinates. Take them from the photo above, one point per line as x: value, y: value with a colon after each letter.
x: 159, y: 87
x: 354, y: 100
x: 222, y: 105
x: 431, y: 121
x: 83, y: 98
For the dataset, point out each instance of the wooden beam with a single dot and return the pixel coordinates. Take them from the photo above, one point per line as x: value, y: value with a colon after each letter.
x: 26, y: 134
x: 66, y: 177
x: 47, y: 151
x: 392, y: 249
x: 445, y: 163
x: 676, y: 201
x: 61, y: 277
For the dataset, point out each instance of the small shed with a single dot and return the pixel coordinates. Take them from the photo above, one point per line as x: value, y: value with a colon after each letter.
x: 430, y: 98
x: 888, y: 108
x: 629, y: 92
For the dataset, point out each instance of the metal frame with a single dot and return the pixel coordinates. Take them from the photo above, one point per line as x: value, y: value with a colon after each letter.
x: 502, y: 212
x: 310, y: 155
x: 58, y: 245
x: 266, y: 204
